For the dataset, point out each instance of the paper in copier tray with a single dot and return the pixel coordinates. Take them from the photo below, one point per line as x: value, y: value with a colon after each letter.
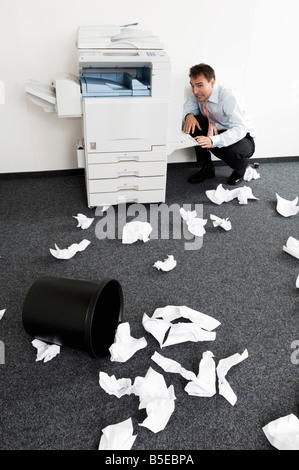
x: 117, y: 85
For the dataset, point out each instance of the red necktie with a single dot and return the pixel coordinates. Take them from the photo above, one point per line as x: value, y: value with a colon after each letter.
x: 212, y: 128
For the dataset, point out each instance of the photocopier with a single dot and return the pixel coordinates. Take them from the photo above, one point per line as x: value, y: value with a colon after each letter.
x: 123, y: 95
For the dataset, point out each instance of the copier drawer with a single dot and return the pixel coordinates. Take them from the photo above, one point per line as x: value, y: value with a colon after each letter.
x: 123, y: 183
x: 142, y: 197
x: 115, y: 170
x: 127, y: 157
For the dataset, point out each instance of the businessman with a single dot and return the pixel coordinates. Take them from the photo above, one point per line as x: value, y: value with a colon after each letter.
x: 215, y: 115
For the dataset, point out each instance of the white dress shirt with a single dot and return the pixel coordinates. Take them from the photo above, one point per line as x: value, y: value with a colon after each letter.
x: 227, y: 111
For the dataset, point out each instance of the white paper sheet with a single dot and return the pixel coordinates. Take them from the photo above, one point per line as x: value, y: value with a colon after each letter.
x: 114, y: 386
x: 156, y: 327
x: 183, y: 332
x: 118, y: 436
x: 167, y: 265
x: 286, y: 208
x: 125, y: 346
x: 292, y: 247
x: 69, y: 252
x: 101, y: 209
x: 173, y: 312
x: 204, y: 385
x: 154, y: 396
x: 169, y: 365
x: 2, y: 313
x: 136, y: 230
x: 83, y: 221
x: 220, y: 195
x: 224, y: 365
x: 283, y: 433
x: 195, y: 224
x: 297, y: 281
x: 157, y: 399
x: 161, y: 324
x: 251, y: 174
x: 45, y: 351
x: 223, y: 223
x: 188, y: 216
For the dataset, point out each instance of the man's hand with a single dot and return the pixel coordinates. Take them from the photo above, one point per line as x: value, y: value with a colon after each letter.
x: 204, y: 142
x: 190, y: 124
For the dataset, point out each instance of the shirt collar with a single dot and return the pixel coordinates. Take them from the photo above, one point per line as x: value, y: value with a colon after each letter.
x: 214, y: 95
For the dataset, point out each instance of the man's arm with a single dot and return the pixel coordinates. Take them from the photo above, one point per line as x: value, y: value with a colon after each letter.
x: 234, y: 121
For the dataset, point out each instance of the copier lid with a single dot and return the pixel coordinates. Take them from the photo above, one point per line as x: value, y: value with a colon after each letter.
x: 132, y: 33
x: 99, y: 37
x: 93, y: 37
x: 147, y: 42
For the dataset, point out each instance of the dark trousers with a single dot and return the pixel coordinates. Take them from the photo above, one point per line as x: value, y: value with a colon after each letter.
x: 235, y: 156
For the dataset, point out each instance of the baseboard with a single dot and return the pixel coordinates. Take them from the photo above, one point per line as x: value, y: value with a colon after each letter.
x: 46, y: 173
x: 80, y: 171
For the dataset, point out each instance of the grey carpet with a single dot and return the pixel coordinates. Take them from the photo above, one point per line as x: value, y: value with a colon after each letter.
x: 243, y: 278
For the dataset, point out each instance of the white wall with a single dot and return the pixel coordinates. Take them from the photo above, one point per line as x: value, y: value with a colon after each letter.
x: 252, y: 44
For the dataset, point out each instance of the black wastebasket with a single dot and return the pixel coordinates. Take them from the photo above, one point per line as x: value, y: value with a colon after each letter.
x: 74, y: 312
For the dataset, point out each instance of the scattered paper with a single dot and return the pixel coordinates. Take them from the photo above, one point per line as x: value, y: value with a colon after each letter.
x: 156, y: 327
x: 167, y: 265
x: 199, y: 327
x: 283, y: 433
x: 204, y: 385
x: 220, y: 195
x: 69, y: 252
x: 292, y: 247
x: 2, y: 313
x: 223, y: 367
x: 188, y: 216
x: 156, y: 398
x: 169, y: 365
x: 195, y: 224
x: 83, y: 221
x: 45, y: 351
x: 125, y: 346
x: 286, y: 208
x: 173, y: 312
x: 223, y: 223
x: 297, y: 281
x: 114, y: 386
x: 136, y: 230
x: 182, y: 332
x: 101, y: 209
x: 118, y: 436
x: 251, y: 174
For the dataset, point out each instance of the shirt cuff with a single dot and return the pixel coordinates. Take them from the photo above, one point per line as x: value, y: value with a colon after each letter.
x: 216, y: 140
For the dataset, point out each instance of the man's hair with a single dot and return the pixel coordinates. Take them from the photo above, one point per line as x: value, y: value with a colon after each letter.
x: 202, y: 69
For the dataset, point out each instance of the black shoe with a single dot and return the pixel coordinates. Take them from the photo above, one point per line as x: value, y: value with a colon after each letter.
x: 234, y: 179
x: 202, y: 175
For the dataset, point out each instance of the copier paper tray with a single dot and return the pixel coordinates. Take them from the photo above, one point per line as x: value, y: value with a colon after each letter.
x: 109, y: 85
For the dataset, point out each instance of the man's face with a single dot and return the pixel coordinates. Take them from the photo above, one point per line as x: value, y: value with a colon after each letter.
x: 201, y: 88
